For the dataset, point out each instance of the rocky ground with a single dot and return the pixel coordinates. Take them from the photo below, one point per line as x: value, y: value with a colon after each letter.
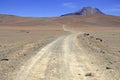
x: 59, y: 55
x: 17, y: 46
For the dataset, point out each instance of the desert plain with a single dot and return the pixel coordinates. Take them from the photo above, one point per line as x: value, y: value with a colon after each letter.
x: 60, y: 48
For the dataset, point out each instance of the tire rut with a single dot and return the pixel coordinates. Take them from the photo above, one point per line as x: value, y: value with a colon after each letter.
x: 32, y: 70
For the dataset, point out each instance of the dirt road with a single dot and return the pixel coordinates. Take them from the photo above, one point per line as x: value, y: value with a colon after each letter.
x: 66, y: 59
x: 56, y: 61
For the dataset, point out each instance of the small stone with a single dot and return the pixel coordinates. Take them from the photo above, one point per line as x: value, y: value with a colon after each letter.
x: 110, y: 62
x: 108, y: 68
x: 91, y: 37
x: 99, y: 39
x: 86, y: 34
x: 79, y: 74
x: 88, y: 74
x: 4, y: 60
x: 102, y: 51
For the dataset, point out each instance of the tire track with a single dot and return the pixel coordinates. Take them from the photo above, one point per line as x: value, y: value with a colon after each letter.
x: 77, y: 69
x: 58, y: 66
x: 57, y: 61
x: 28, y: 67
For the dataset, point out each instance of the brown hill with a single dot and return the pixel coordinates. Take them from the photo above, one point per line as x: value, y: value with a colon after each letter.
x: 70, y: 21
x: 93, y: 20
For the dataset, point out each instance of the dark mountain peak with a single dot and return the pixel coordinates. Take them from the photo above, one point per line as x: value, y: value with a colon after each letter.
x: 86, y: 11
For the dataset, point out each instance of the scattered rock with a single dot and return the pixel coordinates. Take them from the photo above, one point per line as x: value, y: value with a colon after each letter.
x: 110, y: 62
x: 24, y: 54
x: 102, y: 51
x: 108, y: 68
x: 88, y: 74
x: 4, y: 60
x: 90, y: 43
x: 119, y: 51
x: 91, y: 37
x: 86, y: 34
x: 79, y: 74
x: 27, y: 32
x: 99, y: 39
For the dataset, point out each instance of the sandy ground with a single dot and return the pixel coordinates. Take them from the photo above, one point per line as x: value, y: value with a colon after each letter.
x: 57, y: 55
x: 17, y: 46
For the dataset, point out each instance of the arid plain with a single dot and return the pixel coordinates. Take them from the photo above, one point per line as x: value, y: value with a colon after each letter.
x: 60, y: 48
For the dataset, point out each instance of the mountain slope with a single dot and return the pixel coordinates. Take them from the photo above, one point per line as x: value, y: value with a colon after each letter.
x: 85, y: 11
x: 92, y: 20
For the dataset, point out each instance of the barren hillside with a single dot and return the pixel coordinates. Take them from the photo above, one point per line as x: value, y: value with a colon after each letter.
x: 76, y: 21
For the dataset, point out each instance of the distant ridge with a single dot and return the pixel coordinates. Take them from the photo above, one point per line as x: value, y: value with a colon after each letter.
x: 7, y: 15
x: 85, y: 11
x: 71, y: 20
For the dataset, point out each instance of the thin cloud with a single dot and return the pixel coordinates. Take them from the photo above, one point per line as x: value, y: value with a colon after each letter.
x: 69, y: 5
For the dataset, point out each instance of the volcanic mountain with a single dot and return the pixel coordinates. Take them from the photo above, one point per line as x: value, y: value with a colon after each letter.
x: 86, y: 11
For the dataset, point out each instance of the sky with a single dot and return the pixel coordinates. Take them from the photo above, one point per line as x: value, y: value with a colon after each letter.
x: 50, y: 8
